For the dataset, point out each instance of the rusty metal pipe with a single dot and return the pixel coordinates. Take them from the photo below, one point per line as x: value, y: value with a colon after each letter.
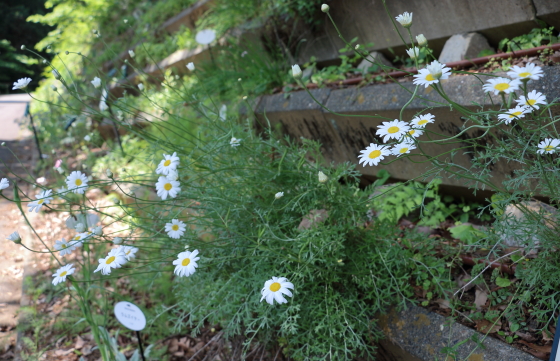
x: 453, y: 64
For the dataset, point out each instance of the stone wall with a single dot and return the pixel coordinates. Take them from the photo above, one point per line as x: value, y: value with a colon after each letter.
x: 436, y: 19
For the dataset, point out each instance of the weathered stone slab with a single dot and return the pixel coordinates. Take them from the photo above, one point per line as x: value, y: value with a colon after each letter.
x: 422, y: 334
x: 350, y: 123
x: 463, y: 46
x: 437, y: 20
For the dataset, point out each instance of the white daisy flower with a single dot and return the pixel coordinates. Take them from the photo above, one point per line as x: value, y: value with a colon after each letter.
x: 14, y: 237
x: 517, y: 112
x: 169, y: 162
x: 405, y: 19
x: 21, y: 83
x: 76, y: 241
x: 129, y: 252
x: 115, y: 259
x: 42, y: 198
x: 63, y: 247
x: 499, y: 85
x: 548, y: 145
x: 185, y: 264
x: 413, y: 52
x: 166, y: 187
x: 322, y: 177
x: 61, y: 274
x: 279, y: 195
x: 4, y: 183
x: 392, y: 130
x: 223, y: 113
x: 431, y: 74
x: 414, y: 133
x: 403, y: 148
x: 275, y: 288
x: 421, y: 120
x: 373, y: 154
x: 175, y: 229
x: 533, y: 98
x: 438, y: 70
x: 96, y: 82
x: 526, y: 73
x: 77, y: 182
x: 234, y: 142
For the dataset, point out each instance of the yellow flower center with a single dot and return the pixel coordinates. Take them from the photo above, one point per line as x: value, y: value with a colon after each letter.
x: 374, y: 154
x: 78, y: 182
x: 430, y: 77
x: 64, y: 245
x: 128, y: 252
x: 548, y: 148
x: 175, y: 227
x: 501, y: 87
x: 186, y: 262
x: 110, y: 260
x: 393, y: 129
x: 77, y: 238
x: 275, y: 286
x: 40, y: 201
x: 167, y: 186
x: 524, y: 75
x: 531, y: 101
x: 403, y: 150
x: 412, y: 132
x: 515, y: 114
x: 422, y: 122
x: 63, y: 274
x: 167, y: 163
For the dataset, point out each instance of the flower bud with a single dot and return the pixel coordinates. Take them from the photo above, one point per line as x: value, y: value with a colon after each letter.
x: 131, y: 53
x: 190, y: 66
x: 23, y: 47
x: 322, y: 177
x: 54, y: 88
x: 80, y: 227
x: 413, y: 52
x: 325, y: 8
x: 14, y: 237
x: 98, y: 231
x: 109, y: 173
x: 117, y: 240
x: 66, y: 52
x: 56, y: 74
x: 296, y: 71
x: 421, y: 39
x: 279, y: 195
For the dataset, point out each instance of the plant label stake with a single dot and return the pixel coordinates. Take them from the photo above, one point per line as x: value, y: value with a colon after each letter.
x: 131, y: 317
x: 555, y: 353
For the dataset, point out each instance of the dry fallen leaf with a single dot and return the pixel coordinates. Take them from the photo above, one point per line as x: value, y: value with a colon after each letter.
x: 480, y: 299
x: 486, y: 326
x: 546, y: 348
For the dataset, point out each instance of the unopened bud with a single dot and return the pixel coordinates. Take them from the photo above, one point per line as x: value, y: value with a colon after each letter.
x: 80, y: 227
x: 98, y: 231
x: 421, y: 39
x: 117, y: 240
x: 66, y: 52
x: 109, y: 173
x: 325, y: 8
x: 322, y: 177
x: 23, y: 47
x: 296, y: 71
x: 14, y: 237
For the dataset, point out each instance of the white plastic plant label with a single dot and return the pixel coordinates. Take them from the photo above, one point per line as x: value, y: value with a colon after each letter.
x: 130, y: 316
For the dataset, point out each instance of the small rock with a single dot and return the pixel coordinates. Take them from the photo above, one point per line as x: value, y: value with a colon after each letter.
x: 463, y: 46
x: 374, y: 58
x: 18, y: 259
x: 313, y: 218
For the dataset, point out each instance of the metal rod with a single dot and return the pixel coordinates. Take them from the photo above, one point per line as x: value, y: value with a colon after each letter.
x: 140, y: 345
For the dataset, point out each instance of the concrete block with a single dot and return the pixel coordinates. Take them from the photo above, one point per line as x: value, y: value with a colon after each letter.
x: 418, y: 334
x: 354, y: 114
x: 463, y: 46
x: 549, y: 11
x: 372, y: 59
x: 437, y: 20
